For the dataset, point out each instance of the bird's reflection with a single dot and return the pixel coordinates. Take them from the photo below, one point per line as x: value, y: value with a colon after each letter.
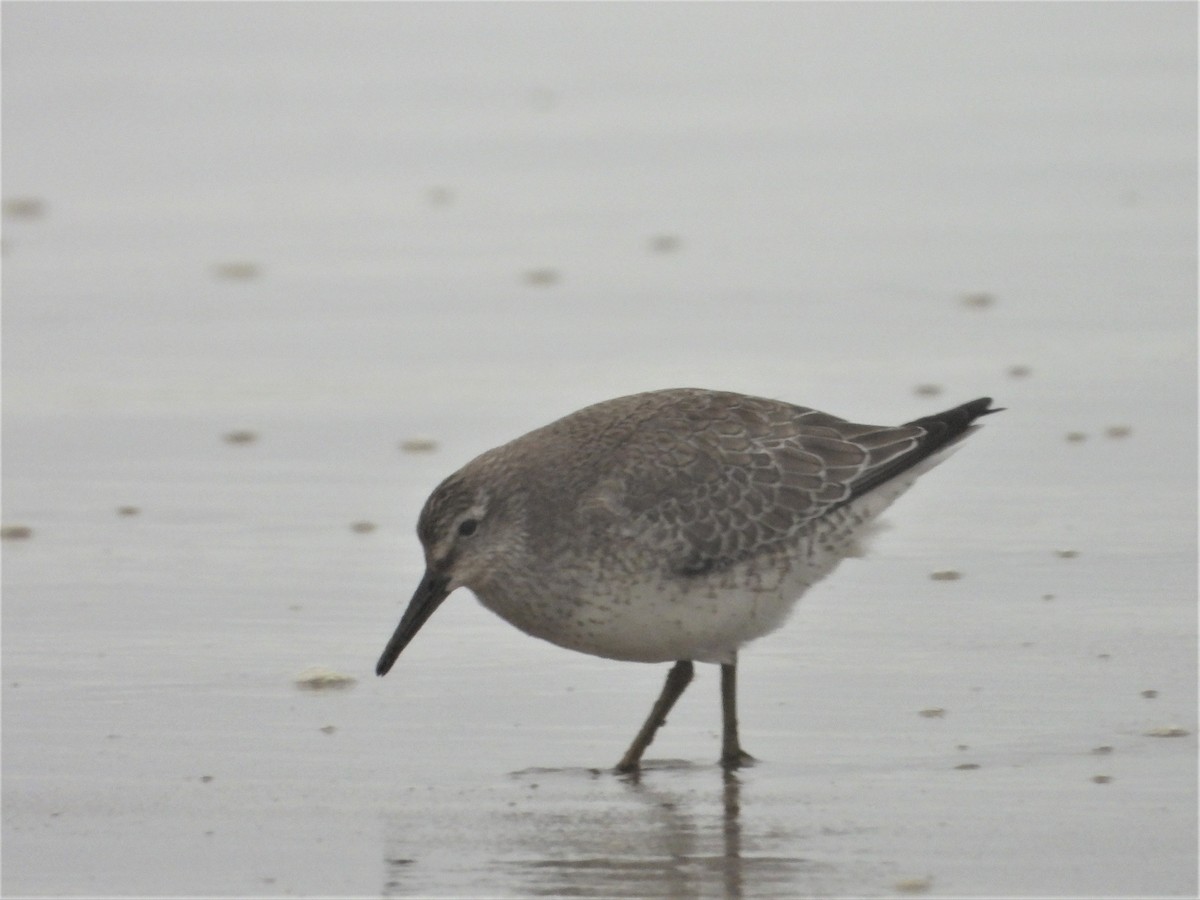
x: 732, y: 832
x: 672, y: 830
x: 683, y: 835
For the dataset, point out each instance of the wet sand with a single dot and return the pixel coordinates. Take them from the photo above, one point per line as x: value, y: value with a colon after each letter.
x: 217, y: 475
x: 156, y: 743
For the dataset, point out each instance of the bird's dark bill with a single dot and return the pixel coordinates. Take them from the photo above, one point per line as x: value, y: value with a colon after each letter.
x: 428, y: 597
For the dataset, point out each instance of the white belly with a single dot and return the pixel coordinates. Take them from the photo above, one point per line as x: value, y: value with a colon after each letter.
x: 703, y: 619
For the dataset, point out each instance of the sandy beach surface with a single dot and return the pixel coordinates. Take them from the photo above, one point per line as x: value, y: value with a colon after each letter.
x: 271, y: 271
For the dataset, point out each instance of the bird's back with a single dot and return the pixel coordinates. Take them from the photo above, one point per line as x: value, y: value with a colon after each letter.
x: 711, y: 478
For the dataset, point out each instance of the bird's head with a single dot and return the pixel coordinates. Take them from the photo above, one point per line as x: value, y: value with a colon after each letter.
x: 470, y: 533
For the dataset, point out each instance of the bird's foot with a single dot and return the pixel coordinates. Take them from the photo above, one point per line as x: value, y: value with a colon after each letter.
x: 737, y: 759
x: 625, y: 767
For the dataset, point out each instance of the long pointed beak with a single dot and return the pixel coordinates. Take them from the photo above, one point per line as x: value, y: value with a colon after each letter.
x: 428, y: 597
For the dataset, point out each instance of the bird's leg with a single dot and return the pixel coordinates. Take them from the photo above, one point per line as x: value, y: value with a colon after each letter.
x: 678, y: 679
x: 732, y: 754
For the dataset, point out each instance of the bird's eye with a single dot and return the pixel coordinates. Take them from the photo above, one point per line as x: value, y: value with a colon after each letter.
x: 467, y: 527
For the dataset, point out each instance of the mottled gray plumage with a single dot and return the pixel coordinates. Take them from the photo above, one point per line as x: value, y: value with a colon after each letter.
x: 670, y: 525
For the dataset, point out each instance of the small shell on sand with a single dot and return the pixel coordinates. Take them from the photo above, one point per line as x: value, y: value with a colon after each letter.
x: 933, y: 712
x: 15, y: 532
x: 320, y: 678
x: 1168, y: 731
x: 241, y: 436
x: 362, y: 527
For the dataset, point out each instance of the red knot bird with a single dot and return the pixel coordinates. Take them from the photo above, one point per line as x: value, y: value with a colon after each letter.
x: 670, y: 526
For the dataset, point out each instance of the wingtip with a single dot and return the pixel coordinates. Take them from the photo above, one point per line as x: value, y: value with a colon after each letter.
x: 983, y: 407
x: 958, y: 419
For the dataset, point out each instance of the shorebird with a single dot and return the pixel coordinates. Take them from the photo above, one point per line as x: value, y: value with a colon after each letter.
x: 669, y: 526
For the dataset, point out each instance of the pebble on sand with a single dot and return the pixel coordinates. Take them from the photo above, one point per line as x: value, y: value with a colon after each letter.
x: 362, y: 527
x: 15, y: 532
x: 241, y: 436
